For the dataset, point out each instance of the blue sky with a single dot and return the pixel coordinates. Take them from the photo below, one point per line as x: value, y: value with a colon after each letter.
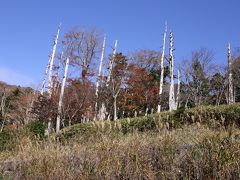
x: 27, y: 28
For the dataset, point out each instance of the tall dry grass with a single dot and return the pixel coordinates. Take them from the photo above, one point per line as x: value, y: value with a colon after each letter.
x: 192, y: 152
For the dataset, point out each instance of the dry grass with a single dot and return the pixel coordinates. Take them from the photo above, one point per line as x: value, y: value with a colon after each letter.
x: 192, y: 152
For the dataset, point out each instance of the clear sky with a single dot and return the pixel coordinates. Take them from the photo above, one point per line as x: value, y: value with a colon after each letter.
x: 27, y: 28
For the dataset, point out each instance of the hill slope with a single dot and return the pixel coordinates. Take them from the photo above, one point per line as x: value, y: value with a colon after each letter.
x: 155, y: 147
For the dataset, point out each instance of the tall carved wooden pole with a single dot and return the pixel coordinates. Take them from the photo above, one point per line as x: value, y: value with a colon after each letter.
x: 162, y: 70
x: 51, y: 60
x: 172, y: 103
x: 110, y: 67
x: 230, y: 80
x: 61, y: 97
x: 99, y: 74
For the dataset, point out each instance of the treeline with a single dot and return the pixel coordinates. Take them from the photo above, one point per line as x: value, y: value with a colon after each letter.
x: 101, y: 85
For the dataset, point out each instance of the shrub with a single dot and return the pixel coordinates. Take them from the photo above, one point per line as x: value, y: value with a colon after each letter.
x: 123, y: 126
x: 37, y: 129
x: 8, y: 140
x: 224, y: 114
x: 139, y: 123
x: 82, y: 129
x: 209, y: 115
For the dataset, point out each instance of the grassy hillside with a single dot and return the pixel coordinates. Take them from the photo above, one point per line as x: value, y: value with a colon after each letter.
x: 196, y: 143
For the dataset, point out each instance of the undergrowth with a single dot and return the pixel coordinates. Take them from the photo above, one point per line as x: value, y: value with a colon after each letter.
x: 198, y: 143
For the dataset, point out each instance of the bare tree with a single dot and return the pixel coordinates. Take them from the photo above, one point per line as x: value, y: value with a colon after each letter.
x: 230, y: 79
x: 111, y: 61
x: 51, y: 61
x: 81, y: 46
x: 48, y: 71
x: 99, y: 73
x: 117, y: 79
x: 198, y: 72
x: 44, y: 77
x: 49, y: 66
x: 31, y: 98
x: 172, y: 103
x: 218, y: 87
x: 56, y: 81
x: 162, y: 70
x: 61, y: 96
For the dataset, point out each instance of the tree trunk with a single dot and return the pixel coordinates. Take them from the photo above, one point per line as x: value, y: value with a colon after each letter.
x: 234, y: 95
x: 44, y: 77
x: 102, y: 113
x: 50, y: 80
x: 84, y: 69
x: 99, y: 74
x: 50, y: 68
x: 61, y: 96
x: 115, y: 107
x: 178, y: 89
x: 3, y: 106
x: 57, y: 80
x: 162, y: 71
x: 172, y: 103
x: 186, y: 103
x: 230, y: 83
x: 110, y: 67
x: 146, y: 112
x: 135, y: 113
x: 31, y: 98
